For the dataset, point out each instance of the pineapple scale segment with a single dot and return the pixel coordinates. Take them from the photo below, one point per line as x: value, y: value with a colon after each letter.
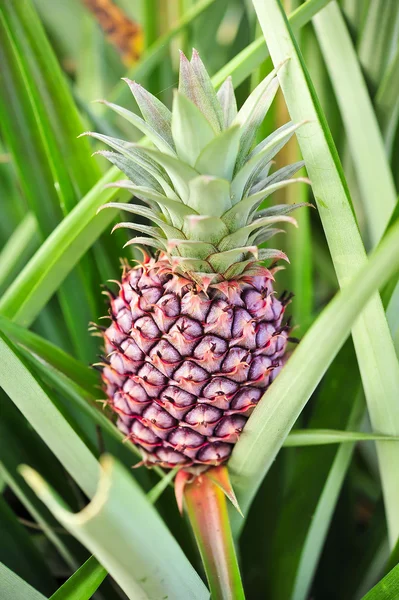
x: 197, y: 332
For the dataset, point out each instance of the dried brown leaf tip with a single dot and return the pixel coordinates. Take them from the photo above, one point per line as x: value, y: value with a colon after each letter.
x: 123, y: 33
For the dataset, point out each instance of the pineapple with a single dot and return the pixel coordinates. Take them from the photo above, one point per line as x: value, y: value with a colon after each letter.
x: 197, y: 332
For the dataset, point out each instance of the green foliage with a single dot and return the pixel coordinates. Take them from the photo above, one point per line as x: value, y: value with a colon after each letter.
x: 315, y: 471
x: 83, y: 583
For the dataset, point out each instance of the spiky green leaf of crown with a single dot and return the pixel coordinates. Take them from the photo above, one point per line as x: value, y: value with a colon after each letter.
x: 201, y: 176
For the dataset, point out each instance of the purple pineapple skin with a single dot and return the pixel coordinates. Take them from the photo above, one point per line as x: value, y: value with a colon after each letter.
x: 185, y: 368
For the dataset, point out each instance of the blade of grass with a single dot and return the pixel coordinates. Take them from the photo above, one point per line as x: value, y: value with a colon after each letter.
x: 363, y: 134
x: 318, y: 437
x: 58, y: 124
x: 83, y: 583
x: 387, y: 103
x: 13, y: 587
x: 51, y: 99
x: 41, y: 125
x: 57, y: 256
x: 297, y: 245
x: 124, y: 541
x: 322, y: 516
x: 389, y: 289
x: 376, y: 354
x: 18, y: 249
x: 161, y: 486
x: 29, y: 152
x: 378, y: 38
x: 299, y: 249
x: 274, y: 416
x: 390, y: 295
x: 41, y: 515
x: 387, y: 588
x: 13, y: 205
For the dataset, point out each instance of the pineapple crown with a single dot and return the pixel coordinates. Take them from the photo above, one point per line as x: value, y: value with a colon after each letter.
x: 202, y: 180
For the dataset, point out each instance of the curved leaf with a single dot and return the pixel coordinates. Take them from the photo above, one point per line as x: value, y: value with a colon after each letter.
x: 83, y: 583
x: 122, y: 539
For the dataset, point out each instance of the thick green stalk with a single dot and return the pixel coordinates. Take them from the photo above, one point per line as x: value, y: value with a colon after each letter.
x: 207, y: 510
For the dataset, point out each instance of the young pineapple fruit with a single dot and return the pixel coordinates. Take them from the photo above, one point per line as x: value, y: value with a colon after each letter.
x: 197, y: 332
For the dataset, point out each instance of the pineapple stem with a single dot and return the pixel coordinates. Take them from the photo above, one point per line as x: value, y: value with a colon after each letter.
x: 207, y: 511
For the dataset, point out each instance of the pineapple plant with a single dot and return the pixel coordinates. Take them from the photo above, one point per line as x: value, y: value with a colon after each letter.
x: 197, y: 331
x: 317, y: 522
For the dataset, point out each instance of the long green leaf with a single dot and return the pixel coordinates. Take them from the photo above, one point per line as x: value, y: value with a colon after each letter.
x: 322, y: 515
x: 319, y: 437
x: 155, y: 493
x: 51, y: 355
x: 316, y: 485
x: 387, y: 103
x: 377, y: 36
x: 42, y: 413
x: 83, y: 583
x: 341, y: 382
x: 60, y: 252
x: 19, y: 443
x: 41, y: 125
x: 274, y: 416
x: 81, y: 399
x: 242, y: 65
x: 376, y: 354
x: 13, y: 587
x: 51, y: 98
x: 387, y: 588
x: 18, y: 249
x: 364, y: 137
x: 119, y: 527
